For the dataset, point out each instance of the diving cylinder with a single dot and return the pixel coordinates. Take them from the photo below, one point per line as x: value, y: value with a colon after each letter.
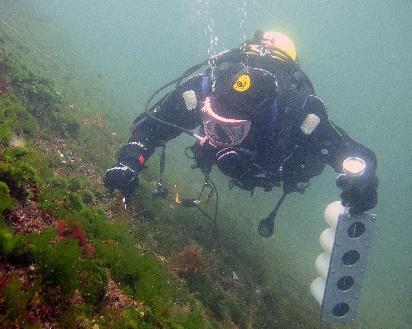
x: 326, y: 240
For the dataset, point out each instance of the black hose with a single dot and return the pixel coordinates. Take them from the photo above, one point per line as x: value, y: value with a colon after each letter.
x: 273, y: 213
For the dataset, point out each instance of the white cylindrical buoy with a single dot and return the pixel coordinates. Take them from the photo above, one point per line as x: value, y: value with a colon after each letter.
x: 332, y: 212
x: 317, y: 289
x: 327, y: 239
x: 322, y: 264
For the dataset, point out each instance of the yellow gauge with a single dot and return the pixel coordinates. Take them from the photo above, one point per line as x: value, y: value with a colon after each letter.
x: 242, y: 83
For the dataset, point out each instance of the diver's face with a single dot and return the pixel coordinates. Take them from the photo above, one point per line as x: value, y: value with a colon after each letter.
x: 222, y: 131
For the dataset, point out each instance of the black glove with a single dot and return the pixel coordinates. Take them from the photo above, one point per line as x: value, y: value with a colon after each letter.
x: 358, y: 192
x: 121, y: 177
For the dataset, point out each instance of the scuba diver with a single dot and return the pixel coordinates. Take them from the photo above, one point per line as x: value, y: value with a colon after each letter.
x: 259, y: 121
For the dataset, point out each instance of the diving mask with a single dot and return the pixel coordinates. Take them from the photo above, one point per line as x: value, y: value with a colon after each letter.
x: 221, y: 131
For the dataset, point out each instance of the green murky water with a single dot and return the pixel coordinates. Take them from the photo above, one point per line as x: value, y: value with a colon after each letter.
x: 357, y: 54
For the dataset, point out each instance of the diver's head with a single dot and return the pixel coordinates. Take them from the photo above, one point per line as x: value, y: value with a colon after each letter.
x: 279, y: 43
x: 235, y: 93
x: 276, y: 44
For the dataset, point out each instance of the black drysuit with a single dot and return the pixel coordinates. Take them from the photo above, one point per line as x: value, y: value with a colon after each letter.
x: 290, y: 140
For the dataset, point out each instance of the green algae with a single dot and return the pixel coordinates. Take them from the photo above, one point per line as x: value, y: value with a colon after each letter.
x: 35, y: 109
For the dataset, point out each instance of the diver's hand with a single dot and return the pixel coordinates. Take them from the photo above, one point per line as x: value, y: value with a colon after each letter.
x: 359, y: 193
x: 121, y: 177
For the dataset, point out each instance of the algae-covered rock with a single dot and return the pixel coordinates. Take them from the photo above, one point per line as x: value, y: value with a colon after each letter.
x: 20, y: 177
x: 7, y: 241
x: 15, y: 119
x: 15, y: 152
x: 16, y: 300
x: 6, y: 202
x: 87, y: 196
